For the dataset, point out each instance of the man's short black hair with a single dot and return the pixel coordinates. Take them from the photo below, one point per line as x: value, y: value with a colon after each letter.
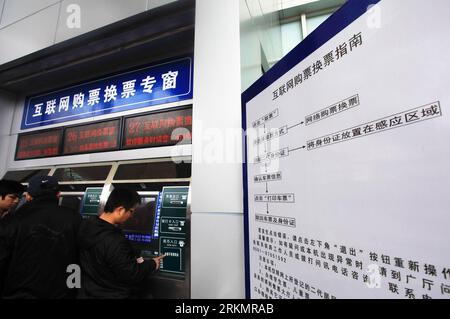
x: 10, y: 187
x: 124, y: 197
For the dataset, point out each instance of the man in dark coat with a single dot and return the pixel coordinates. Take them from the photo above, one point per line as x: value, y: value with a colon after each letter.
x: 109, y: 267
x: 10, y: 194
x: 38, y: 243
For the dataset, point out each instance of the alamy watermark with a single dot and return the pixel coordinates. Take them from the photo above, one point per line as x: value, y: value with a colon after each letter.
x: 74, y: 279
x: 73, y: 21
x: 374, y: 277
x: 373, y: 17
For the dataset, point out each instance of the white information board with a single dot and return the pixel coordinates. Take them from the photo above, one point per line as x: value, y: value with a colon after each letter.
x: 347, y: 173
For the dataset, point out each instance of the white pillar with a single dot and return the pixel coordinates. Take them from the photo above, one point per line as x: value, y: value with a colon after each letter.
x: 7, y: 106
x: 217, y: 261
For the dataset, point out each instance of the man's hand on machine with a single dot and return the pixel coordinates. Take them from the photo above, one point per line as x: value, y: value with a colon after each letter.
x: 158, y: 261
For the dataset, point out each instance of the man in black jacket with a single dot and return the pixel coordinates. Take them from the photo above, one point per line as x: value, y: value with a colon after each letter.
x: 38, y: 243
x: 10, y: 193
x: 109, y: 267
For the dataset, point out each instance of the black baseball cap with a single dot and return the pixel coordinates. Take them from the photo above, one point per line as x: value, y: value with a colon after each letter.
x: 42, y: 185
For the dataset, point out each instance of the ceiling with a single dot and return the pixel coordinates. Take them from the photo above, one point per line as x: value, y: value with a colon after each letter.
x: 289, y: 8
x: 157, y: 34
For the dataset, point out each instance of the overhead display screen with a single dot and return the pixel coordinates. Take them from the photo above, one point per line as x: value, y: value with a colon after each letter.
x: 97, y: 137
x: 158, y: 129
x: 36, y: 145
x: 164, y: 128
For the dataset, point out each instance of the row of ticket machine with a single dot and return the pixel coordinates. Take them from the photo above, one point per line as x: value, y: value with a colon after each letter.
x: 160, y: 224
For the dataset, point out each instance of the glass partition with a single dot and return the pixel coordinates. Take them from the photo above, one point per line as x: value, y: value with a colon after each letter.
x: 26, y: 175
x: 74, y: 174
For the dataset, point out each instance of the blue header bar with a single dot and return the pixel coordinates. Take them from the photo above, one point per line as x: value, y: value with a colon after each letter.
x: 154, y: 85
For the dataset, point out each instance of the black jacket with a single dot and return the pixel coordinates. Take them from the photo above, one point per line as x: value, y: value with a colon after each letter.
x: 108, y: 262
x: 37, y: 244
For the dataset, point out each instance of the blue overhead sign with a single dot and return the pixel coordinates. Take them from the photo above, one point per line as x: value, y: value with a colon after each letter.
x: 154, y: 85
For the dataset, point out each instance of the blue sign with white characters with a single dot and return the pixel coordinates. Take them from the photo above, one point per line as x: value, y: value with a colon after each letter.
x: 154, y: 85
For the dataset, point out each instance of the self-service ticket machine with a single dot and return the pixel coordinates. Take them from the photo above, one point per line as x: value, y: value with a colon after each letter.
x: 160, y: 224
x: 172, y: 281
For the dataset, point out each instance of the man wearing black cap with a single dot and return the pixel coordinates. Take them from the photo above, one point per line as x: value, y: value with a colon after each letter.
x: 37, y: 244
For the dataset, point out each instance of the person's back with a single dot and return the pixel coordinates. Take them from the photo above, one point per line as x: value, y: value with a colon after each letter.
x: 36, y: 245
x: 10, y: 194
x: 109, y: 267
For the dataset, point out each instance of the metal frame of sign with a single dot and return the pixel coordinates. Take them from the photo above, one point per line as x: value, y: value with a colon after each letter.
x: 342, y: 18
